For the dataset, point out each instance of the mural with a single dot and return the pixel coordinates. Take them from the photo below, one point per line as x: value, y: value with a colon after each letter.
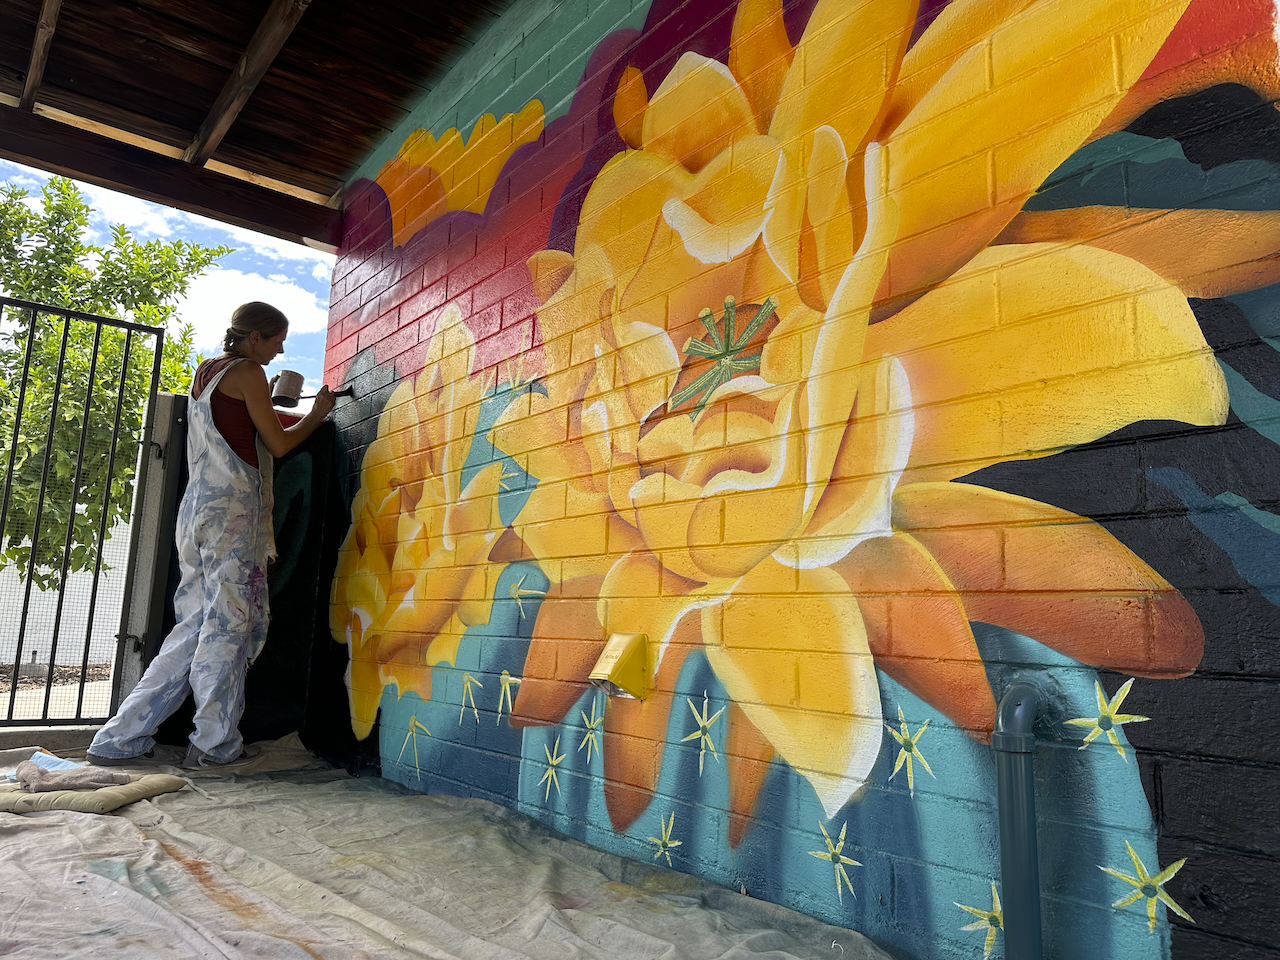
x: 864, y: 357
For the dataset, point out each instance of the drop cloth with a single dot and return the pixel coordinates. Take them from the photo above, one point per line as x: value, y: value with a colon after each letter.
x: 287, y: 857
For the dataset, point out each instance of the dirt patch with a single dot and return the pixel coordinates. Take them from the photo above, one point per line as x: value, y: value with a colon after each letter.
x: 62, y: 676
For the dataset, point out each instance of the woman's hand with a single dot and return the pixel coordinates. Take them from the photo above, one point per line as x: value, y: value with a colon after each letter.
x: 324, y: 401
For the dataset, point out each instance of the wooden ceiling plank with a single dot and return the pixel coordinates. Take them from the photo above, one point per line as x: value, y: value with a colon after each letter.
x: 45, y: 28
x: 58, y: 148
x: 267, y: 40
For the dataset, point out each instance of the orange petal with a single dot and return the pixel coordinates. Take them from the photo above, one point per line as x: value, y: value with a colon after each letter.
x: 917, y: 628
x: 1236, y: 250
x: 629, y: 104
x: 747, y: 754
x: 635, y: 734
x: 760, y: 55
x: 567, y: 640
x: 1054, y: 576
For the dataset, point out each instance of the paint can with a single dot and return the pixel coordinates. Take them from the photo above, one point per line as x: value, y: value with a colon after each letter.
x: 288, y: 389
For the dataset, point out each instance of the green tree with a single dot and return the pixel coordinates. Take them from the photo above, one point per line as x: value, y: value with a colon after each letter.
x: 45, y: 258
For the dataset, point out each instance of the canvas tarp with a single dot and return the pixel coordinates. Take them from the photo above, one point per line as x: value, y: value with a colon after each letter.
x: 289, y: 857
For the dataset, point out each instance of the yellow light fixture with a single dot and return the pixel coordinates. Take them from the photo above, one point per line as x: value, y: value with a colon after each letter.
x: 623, y: 667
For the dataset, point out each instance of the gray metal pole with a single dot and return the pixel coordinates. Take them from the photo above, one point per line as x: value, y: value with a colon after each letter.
x: 1014, y: 742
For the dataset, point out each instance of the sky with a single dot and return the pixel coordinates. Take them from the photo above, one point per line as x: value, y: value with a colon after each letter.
x: 293, y: 277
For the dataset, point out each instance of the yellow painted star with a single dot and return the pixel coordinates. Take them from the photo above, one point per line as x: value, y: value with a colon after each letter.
x: 1148, y: 886
x: 519, y: 592
x: 504, y: 695
x: 468, y: 694
x: 907, y: 741
x: 592, y: 736
x: 414, y: 726
x: 836, y: 857
x: 666, y: 844
x: 991, y: 920
x: 1108, y: 721
x: 554, y: 759
x: 503, y: 480
x: 703, y: 733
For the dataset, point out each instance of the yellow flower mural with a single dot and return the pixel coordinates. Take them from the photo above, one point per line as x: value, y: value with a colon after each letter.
x: 412, y: 572
x: 429, y: 177
x: 783, y: 334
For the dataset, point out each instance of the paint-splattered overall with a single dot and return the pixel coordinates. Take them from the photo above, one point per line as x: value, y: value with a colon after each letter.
x: 225, y: 540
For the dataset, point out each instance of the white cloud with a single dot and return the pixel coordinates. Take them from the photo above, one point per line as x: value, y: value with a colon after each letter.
x: 272, y: 248
x: 213, y: 296
x: 140, y: 216
x: 323, y: 270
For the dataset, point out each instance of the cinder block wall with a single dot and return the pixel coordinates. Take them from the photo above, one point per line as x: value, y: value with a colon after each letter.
x: 864, y: 356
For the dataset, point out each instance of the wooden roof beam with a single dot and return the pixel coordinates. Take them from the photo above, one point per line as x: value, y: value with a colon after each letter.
x: 45, y: 28
x: 270, y: 36
x: 83, y: 155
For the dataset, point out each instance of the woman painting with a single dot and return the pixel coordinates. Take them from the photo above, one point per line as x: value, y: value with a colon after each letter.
x: 225, y: 541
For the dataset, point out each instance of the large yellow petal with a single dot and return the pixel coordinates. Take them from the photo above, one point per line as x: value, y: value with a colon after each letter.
x: 960, y: 26
x: 828, y: 393
x: 844, y: 64
x: 827, y: 211
x: 697, y: 111
x: 1032, y: 349
x: 1001, y: 120
x: 640, y: 596
x: 790, y: 647
x: 623, y: 204
x: 724, y: 211
x: 858, y: 502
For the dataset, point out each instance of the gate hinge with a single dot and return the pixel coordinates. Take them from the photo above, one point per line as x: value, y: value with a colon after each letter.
x: 125, y: 637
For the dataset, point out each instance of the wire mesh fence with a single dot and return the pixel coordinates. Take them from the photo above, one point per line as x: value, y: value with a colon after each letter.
x: 76, y: 391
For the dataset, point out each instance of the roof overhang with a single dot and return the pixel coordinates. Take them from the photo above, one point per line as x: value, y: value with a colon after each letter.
x: 254, y: 112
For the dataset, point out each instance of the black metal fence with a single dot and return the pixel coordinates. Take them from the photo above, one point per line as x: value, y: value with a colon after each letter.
x: 76, y: 392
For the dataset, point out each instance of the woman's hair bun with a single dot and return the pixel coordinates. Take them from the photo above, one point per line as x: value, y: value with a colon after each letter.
x: 254, y: 317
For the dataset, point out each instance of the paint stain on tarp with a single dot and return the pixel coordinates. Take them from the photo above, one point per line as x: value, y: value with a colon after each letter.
x: 201, y: 870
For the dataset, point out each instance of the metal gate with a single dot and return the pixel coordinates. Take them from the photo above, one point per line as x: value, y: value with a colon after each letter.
x: 77, y: 398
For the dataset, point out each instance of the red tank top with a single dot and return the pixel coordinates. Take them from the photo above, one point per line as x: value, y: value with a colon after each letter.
x: 230, y: 416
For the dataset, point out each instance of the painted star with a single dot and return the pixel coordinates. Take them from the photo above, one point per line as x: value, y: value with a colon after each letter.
x: 1152, y: 888
x: 468, y: 694
x: 518, y: 593
x: 837, y: 859
x: 1108, y: 721
x: 991, y: 920
x: 503, y: 481
x: 504, y: 695
x: 703, y: 733
x: 666, y: 844
x: 907, y: 741
x: 592, y: 736
x: 414, y: 726
x: 554, y: 758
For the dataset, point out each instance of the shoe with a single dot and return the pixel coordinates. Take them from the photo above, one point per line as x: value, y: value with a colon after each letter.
x: 195, y: 759
x: 158, y: 756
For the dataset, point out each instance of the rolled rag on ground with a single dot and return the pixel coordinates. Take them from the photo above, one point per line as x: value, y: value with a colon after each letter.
x: 37, y: 779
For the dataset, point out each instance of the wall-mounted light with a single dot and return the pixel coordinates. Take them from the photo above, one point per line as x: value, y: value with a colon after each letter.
x: 623, y: 667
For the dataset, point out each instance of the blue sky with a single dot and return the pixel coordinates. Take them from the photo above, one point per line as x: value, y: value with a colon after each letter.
x: 293, y: 277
